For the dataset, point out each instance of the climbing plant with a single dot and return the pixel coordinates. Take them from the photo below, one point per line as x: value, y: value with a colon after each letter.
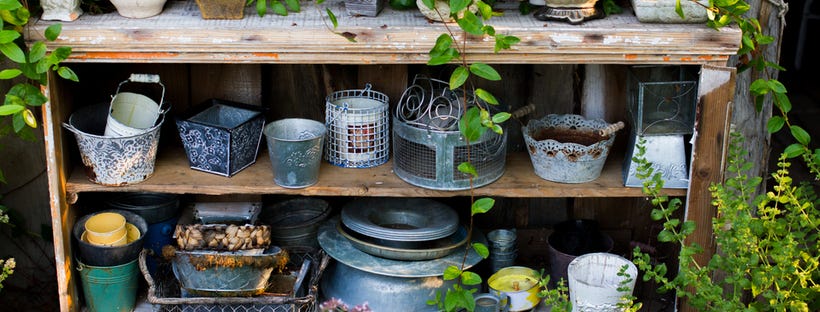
x: 476, y: 120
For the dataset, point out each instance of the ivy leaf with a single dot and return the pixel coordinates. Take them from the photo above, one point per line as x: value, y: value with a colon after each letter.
x: 678, y: 8
x: 13, y: 52
x: 67, y: 73
x: 470, y: 125
x: 458, y: 77
x: 471, y: 23
x: 18, y: 122
x: 37, y: 51
x: 501, y: 117
x: 332, y: 18
x: 775, y: 124
x: 278, y: 8
x: 666, y: 236
x: 759, y: 87
x: 10, y: 4
x: 29, y: 118
x: 486, y: 12
x: 790, y: 151
x: 431, y: 4
x: 467, y: 168
x: 451, y: 272
x: 10, y: 109
x: 8, y: 36
x: 53, y: 31
x: 440, y: 59
x: 482, y: 205
x: 443, y: 43
x: 261, y: 7
x: 293, y: 5
x: 656, y: 214
x: 687, y: 228
x: 30, y: 94
x: 800, y: 135
x: 481, y: 250
x: 484, y: 71
x: 776, y: 86
x: 470, y: 278
x: 10, y: 73
x: 486, y: 96
x: 458, y: 5
x: 781, y: 100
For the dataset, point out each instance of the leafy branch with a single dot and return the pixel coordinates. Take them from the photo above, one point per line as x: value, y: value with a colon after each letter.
x: 476, y: 120
x: 722, y: 13
x: 769, y: 244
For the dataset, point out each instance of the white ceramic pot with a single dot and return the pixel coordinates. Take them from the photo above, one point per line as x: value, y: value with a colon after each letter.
x: 61, y: 10
x: 594, y: 281
x: 138, y: 8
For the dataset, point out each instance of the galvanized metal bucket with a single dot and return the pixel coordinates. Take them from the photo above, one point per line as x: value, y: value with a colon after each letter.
x: 132, y: 113
x: 568, y: 162
x: 594, y: 282
x: 113, y: 161
x: 295, y: 150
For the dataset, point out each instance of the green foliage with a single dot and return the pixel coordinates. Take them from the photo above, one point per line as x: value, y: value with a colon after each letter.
x: 557, y: 298
x: 476, y: 120
x: 768, y: 244
x: 279, y: 7
x: 6, y: 265
x: 722, y: 13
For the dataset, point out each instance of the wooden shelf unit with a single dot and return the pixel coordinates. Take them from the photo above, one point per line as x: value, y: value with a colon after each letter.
x: 180, y: 36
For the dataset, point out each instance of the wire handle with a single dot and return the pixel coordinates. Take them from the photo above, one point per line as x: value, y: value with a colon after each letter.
x: 523, y: 111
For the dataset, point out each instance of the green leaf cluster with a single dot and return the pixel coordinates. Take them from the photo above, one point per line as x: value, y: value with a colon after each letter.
x: 279, y: 7
x: 769, y: 245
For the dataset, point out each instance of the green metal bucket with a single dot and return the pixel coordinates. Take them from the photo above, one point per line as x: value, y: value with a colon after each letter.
x: 109, y: 288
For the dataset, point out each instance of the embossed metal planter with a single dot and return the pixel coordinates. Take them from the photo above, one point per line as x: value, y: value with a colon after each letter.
x: 223, y: 137
x: 112, y: 161
x: 295, y: 150
x: 567, y: 162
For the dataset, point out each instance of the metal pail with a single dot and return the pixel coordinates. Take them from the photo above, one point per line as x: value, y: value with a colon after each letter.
x: 109, y: 288
x: 113, y: 161
x: 295, y: 150
x: 132, y: 113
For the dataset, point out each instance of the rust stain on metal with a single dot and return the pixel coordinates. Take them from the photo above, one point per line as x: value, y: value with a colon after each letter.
x: 630, y: 56
x: 686, y: 59
x: 666, y: 59
x: 705, y: 57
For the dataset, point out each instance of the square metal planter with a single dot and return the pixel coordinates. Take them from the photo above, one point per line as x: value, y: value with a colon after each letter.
x: 222, y: 137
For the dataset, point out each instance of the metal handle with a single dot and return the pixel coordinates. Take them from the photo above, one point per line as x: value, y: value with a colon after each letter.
x: 611, y: 129
x: 144, y: 78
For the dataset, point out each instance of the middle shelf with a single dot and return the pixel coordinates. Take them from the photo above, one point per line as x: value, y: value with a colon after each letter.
x: 173, y: 174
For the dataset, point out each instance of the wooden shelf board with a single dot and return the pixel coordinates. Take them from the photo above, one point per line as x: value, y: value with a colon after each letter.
x: 180, y: 35
x: 173, y: 175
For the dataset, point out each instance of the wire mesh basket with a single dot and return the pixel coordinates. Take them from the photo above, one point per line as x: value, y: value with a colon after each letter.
x: 357, y: 124
x: 164, y: 291
x: 428, y: 147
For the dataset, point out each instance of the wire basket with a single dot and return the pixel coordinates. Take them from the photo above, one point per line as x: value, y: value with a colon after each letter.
x: 357, y: 124
x: 428, y: 147
x: 164, y: 292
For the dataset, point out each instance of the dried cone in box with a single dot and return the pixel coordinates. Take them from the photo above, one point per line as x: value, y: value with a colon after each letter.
x: 221, y: 236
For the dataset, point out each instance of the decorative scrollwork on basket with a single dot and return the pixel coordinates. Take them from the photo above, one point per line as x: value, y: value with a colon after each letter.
x: 430, y: 104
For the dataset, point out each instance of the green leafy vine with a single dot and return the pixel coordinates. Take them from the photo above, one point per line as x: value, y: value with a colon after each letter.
x: 475, y: 122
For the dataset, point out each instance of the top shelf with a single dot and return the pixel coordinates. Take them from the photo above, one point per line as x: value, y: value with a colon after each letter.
x: 180, y: 35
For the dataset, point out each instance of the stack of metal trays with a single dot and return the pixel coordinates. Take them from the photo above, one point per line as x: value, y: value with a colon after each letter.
x: 402, y: 228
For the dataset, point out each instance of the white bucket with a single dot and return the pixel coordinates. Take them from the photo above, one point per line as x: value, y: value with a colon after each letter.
x: 594, y: 281
x: 133, y: 114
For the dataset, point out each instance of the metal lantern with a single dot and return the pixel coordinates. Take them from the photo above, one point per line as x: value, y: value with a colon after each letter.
x: 661, y: 102
x: 357, y: 124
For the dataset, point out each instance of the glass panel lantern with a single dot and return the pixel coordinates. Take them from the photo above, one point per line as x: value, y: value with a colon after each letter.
x: 661, y: 102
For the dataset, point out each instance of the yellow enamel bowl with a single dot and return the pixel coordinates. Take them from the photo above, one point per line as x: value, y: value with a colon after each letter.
x: 105, y: 228
x: 518, y: 283
x: 133, y: 232
x: 119, y: 242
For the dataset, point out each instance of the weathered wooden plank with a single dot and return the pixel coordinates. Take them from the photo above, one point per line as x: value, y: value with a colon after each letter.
x: 715, y: 95
x: 173, y: 175
x: 234, y: 82
x: 392, y: 37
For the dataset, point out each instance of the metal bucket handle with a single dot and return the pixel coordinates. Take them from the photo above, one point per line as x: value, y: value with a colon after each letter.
x: 345, y: 106
x: 148, y: 78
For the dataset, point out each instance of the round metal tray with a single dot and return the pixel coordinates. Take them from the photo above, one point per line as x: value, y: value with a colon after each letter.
x: 434, y: 249
x: 400, y: 219
x: 342, y: 250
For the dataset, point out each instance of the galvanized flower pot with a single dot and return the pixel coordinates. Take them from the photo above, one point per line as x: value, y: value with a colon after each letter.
x: 223, y: 137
